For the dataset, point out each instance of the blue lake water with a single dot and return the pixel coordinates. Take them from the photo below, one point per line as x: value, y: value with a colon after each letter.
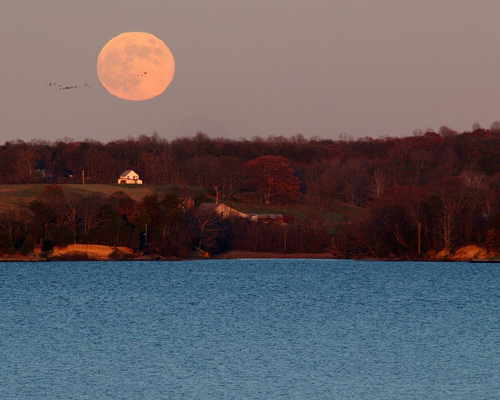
x: 250, y: 329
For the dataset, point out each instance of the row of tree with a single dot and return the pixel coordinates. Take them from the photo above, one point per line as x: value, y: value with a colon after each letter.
x: 409, y: 221
x: 203, y: 161
x: 405, y: 196
x: 162, y: 224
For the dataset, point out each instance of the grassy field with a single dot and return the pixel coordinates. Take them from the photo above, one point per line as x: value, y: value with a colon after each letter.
x: 301, y: 211
x: 13, y: 195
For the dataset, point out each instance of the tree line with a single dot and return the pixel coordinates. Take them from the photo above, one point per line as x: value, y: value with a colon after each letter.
x: 397, y: 197
x: 160, y: 224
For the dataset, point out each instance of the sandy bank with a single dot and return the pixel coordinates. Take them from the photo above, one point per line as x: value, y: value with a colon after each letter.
x: 466, y: 253
x: 99, y: 252
x: 90, y: 251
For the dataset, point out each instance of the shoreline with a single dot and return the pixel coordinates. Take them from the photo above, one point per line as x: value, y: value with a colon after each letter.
x: 231, y: 255
x: 244, y: 254
x: 92, y: 252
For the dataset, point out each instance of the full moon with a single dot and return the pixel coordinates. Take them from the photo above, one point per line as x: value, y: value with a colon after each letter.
x: 135, y: 66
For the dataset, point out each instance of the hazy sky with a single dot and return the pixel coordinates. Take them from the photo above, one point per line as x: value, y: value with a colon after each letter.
x: 254, y: 67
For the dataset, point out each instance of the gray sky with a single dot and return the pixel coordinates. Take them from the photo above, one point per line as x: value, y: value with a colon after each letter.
x: 254, y: 67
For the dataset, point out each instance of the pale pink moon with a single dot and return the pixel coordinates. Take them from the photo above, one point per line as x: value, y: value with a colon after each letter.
x: 135, y: 66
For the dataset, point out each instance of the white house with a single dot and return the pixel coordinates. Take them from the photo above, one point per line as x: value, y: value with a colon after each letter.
x: 129, y: 177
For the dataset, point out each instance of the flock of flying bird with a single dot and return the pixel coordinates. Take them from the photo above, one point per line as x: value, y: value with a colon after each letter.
x: 61, y: 87
x: 85, y: 85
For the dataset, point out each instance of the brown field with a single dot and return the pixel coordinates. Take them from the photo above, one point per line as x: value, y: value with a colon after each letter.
x: 13, y: 195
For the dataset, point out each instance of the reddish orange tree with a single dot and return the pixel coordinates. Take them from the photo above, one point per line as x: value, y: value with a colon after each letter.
x: 273, y: 177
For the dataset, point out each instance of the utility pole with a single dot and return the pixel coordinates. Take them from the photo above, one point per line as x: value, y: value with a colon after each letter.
x: 83, y: 177
x: 284, y: 246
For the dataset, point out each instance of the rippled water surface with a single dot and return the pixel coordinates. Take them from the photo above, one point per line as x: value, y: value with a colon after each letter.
x: 249, y: 329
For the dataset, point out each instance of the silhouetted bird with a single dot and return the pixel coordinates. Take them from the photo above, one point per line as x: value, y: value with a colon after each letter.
x: 67, y: 87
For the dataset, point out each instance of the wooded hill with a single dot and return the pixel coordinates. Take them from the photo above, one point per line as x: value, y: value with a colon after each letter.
x: 389, y: 197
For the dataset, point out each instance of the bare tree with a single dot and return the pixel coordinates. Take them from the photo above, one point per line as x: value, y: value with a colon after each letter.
x: 71, y: 211
x: 92, y: 212
x: 378, y: 182
x: 323, y: 183
x: 345, y: 137
x: 25, y: 165
x: 353, y: 176
x: 495, y: 126
x: 230, y: 175
x: 453, y: 200
x: 209, y: 226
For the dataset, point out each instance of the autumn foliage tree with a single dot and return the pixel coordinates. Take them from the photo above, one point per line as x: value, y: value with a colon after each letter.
x: 386, y: 197
x: 273, y: 177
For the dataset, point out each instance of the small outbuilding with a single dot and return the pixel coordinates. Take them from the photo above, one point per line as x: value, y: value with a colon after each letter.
x: 276, y: 218
x: 222, y: 210
x: 129, y: 177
